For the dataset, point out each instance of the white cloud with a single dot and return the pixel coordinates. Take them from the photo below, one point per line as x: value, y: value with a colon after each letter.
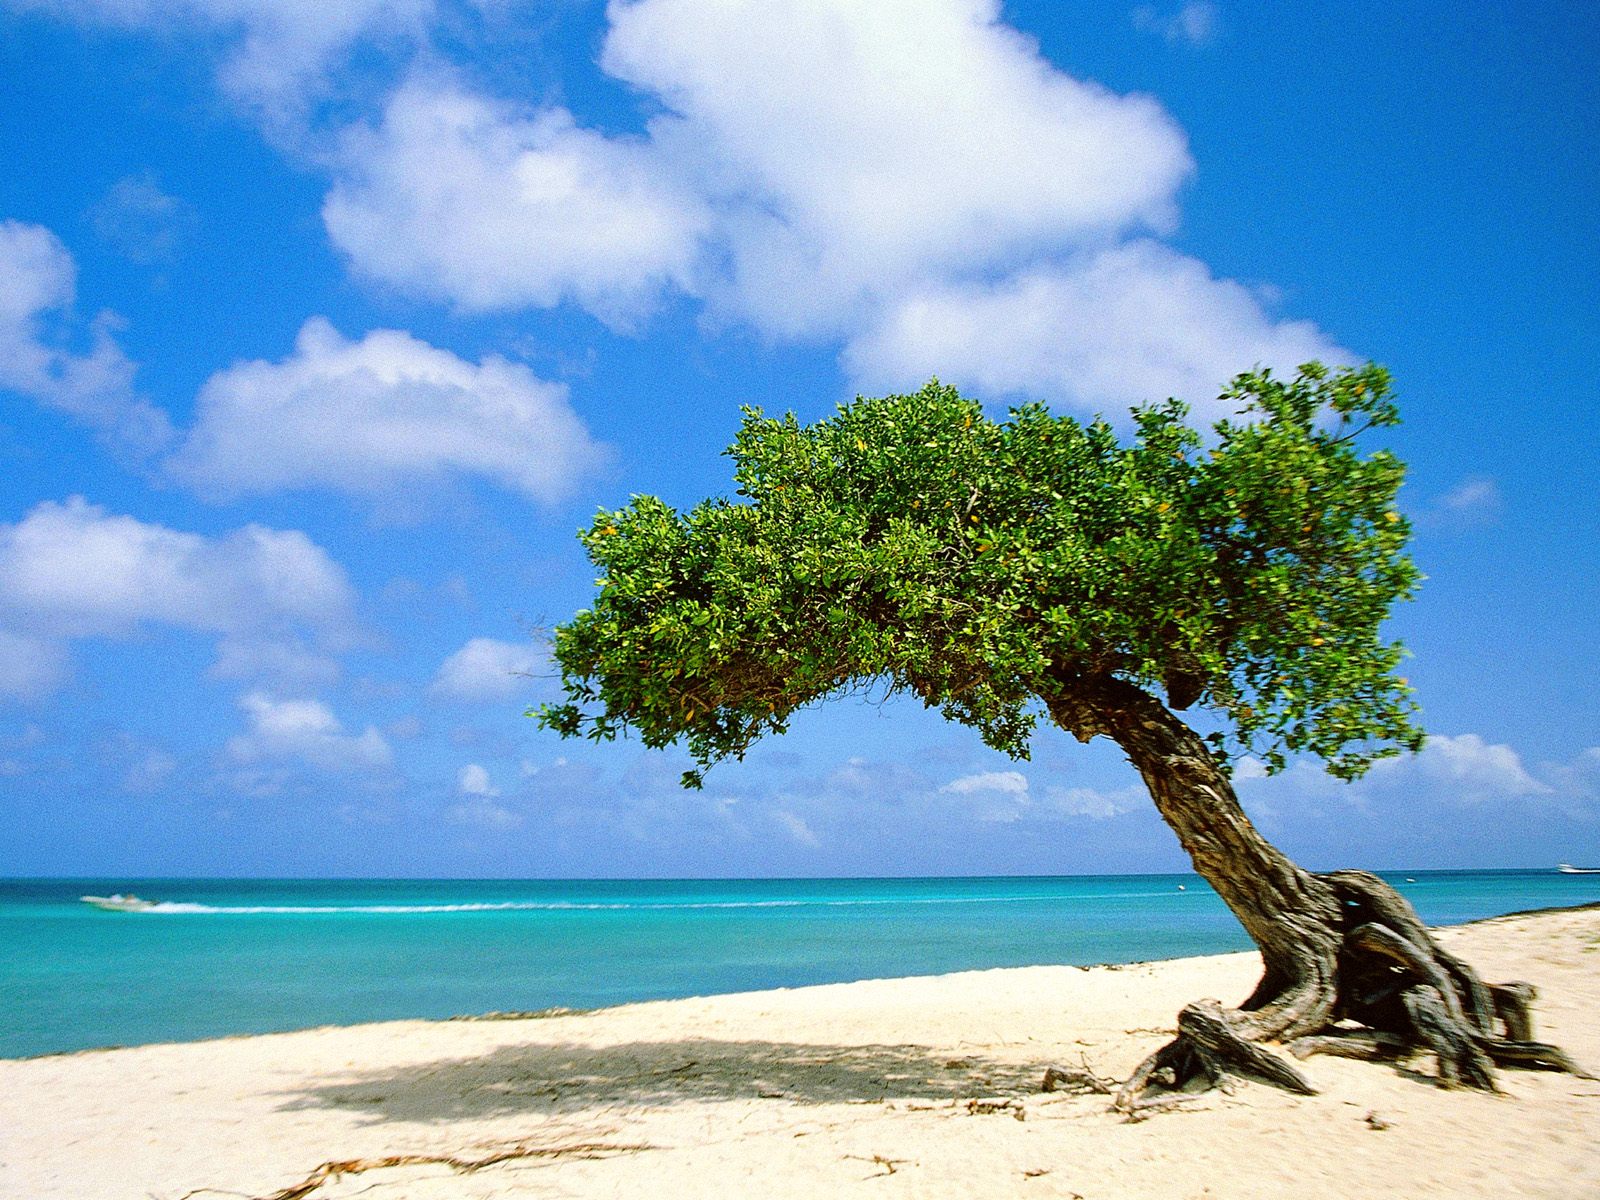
x: 459, y: 198
x: 910, y: 177
x: 1011, y: 782
x: 483, y: 812
x: 1476, y: 500
x: 373, y: 416
x: 1194, y: 23
x: 858, y: 148
x: 883, y: 175
x: 285, y: 658
x: 29, y: 666
x: 305, y: 731
x: 994, y: 797
x: 73, y: 570
x: 796, y: 828
x: 1127, y: 325
x: 275, y: 55
x: 1471, y: 495
x: 1093, y: 802
x: 474, y: 781
x: 139, y: 219
x: 1477, y: 770
x: 485, y: 669
x: 1460, y: 769
x: 149, y: 772
x: 38, y: 283
x: 1578, y: 780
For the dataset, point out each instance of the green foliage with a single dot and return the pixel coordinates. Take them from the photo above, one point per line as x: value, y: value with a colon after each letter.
x: 990, y: 567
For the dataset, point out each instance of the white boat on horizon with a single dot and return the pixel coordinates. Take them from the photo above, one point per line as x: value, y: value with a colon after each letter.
x: 1569, y: 869
x: 119, y: 903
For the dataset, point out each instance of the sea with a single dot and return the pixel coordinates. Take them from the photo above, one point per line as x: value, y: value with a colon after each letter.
x: 218, y: 957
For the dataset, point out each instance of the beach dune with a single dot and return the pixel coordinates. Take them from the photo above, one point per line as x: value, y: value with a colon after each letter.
x: 924, y: 1087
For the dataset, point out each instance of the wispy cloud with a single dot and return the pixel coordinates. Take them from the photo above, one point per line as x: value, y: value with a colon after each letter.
x: 486, y: 669
x: 1475, y: 501
x: 276, y: 58
x: 1011, y: 782
x: 1192, y: 24
x: 140, y: 220
x: 796, y: 828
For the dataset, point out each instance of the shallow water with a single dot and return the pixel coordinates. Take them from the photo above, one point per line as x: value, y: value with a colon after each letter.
x: 249, y: 956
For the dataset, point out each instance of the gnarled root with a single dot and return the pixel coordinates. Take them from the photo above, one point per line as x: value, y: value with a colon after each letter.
x: 1211, y: 1048
x: 1394, y: 991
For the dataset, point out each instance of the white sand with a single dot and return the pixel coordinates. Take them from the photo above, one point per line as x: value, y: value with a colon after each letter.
x: 856, y: 1089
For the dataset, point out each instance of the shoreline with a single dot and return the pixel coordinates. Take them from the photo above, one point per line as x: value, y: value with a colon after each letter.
x: 564, y: 1010
x: 917, y: 1086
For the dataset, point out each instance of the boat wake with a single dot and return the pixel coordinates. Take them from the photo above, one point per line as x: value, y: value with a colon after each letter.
x: 174, y: 908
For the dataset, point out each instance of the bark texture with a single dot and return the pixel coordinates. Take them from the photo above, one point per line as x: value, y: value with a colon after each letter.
x: 1349, y: 968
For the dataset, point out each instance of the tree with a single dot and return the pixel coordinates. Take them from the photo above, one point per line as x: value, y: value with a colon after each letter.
x: 1006, y: 571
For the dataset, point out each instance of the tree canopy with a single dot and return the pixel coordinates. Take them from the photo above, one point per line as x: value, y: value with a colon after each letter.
x: 992, y: 567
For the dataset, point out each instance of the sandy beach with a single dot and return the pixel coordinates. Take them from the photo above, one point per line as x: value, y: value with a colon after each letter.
x: 924, y: 1087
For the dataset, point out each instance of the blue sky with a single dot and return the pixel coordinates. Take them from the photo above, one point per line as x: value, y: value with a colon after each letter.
x: 323, y: 327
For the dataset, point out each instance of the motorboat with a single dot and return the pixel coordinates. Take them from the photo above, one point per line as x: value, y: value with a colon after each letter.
x: 1569, y: 869
x: 119, y: 903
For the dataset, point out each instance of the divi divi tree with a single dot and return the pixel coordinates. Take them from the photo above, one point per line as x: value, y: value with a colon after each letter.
x: 1039, y: 569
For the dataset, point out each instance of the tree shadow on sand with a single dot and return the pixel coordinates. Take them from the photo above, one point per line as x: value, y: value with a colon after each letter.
x: 565, y: 1077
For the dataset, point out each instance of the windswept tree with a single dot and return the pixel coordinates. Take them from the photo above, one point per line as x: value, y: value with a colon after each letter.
x: 1010, y: 571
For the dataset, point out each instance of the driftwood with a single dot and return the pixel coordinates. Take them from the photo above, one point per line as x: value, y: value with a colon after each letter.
x: 332, y: 1171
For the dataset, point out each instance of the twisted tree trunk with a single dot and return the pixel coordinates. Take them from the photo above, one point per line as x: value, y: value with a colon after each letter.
x: 1337, y: 946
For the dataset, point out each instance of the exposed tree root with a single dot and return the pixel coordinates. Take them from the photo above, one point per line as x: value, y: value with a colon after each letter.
x: 1209, y: 1048
x: 1394, y: 992
x: 1080, y: 1080
x: 330, y: 1171
x: 1370, y: 1045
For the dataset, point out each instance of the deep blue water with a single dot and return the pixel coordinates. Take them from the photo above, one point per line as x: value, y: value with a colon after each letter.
x: 250, y: 956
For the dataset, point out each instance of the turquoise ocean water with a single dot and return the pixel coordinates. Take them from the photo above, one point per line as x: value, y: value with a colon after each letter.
x: 248, y: 956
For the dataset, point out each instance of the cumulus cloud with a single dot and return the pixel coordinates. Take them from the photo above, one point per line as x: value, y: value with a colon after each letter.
x: 1127, y: 325
x: 375, y: 415
x: 474, y: 781
x: 862, y: 147
x: 1473, y: 769
x: 463, y: 199
x: 305, y: 731
x: 881, y: 175
x: 72, y: 570
x: 486, y: 669
x: 38, y: 284
x: 912, y: 178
